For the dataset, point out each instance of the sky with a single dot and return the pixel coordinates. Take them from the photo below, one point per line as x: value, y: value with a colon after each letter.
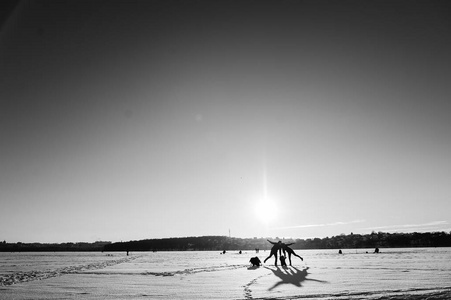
x: 129, y: 120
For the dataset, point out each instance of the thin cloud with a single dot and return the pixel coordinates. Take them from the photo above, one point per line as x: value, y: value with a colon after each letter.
x: 428, y: 225
x: 320, y: 225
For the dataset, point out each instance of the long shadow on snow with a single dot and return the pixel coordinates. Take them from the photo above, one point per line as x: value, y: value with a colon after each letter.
x: 291, y: 275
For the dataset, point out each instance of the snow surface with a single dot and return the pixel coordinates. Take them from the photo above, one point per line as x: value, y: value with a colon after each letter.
x: 417, y: 273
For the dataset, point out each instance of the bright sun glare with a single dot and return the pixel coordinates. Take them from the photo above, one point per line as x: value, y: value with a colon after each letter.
x: 266, y: 210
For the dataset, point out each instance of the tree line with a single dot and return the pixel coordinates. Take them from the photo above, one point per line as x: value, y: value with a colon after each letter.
x: 213, y: 243
x: 52, y: 247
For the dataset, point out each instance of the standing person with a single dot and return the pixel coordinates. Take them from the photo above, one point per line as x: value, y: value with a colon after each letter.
x: 287, y: 249
x: 275, y: 248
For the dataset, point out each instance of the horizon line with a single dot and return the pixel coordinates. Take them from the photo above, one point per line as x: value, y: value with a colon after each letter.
x: 447, y: 230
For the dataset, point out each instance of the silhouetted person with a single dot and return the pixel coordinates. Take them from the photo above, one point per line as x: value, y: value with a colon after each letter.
x: 255, y: 261
x: 282, y: 261
x: 376, y: 250
x: 290, y: 251
x: 275, y: 248
x: 340, y: 252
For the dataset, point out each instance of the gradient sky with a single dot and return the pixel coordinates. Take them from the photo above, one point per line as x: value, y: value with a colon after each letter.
x: 148, y: 119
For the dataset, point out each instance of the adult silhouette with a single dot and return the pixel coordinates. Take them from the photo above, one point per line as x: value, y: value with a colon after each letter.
x: 275, y: 248
x: 287, y: 249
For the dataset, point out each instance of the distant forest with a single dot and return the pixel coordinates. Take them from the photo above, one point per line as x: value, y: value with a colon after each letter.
x: 350, y: 241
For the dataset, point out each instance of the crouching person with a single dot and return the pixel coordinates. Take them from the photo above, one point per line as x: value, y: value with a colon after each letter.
x: 255, y: 261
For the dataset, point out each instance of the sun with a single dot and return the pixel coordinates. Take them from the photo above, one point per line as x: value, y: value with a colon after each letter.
x: 266, y: 210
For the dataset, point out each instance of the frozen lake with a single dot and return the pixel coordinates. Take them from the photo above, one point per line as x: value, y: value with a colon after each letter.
x: 413, y: 273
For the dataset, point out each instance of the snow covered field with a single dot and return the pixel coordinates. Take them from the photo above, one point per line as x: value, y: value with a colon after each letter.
x: 414, y: 273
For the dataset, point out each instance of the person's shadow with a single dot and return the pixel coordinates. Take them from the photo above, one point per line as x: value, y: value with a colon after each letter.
x: 291, y: 275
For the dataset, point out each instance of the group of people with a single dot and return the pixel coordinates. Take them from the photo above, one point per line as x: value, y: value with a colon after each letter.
x: 277, y: 248
x: 280, y: 247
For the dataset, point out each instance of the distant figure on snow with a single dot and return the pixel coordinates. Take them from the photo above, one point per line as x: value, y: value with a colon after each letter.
x: 340, y: 252
x: 286, y: 249
x: 376, y: 250
x: 275, y: 248
x: 255, y: 261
